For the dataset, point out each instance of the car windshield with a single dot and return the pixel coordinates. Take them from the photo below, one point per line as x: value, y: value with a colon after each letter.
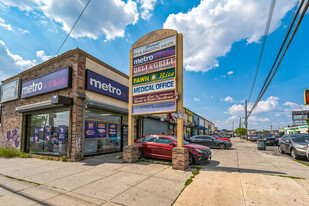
x: 184, y: 142
x: 301, y: 138
x: 267, y: 135
x: 255, y: 135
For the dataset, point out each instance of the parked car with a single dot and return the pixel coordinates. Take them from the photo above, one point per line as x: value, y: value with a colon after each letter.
x: 294, y: 144
x: 254, y: 137
x: 210, y: 141
x: 221, y: 135
x: 270, y: 139
x: 222, y: 138
x: 161, y: 146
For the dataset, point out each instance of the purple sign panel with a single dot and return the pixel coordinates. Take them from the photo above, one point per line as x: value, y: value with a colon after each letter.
x: 101, y: 130
x: 54, y: 81
x: 98, y: 83
x: 90, y: 129
x: 47, y: 133
x: 153, y: 108
x: 154, y: 56
x: 112, y: 130
x: 36, y: 134
x: 62, y: 129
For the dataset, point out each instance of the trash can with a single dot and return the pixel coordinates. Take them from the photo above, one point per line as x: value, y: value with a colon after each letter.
x: 261, y: 144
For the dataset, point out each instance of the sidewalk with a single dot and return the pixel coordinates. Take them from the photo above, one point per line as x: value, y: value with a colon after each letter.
x: 246, y: 176
x: 238, y: 176
x: 102, y: 180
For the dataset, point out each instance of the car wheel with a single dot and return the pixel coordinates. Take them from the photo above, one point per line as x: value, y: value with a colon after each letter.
x: 280, y: 150
x: 140, y: 153
x: 221, y: 146
x: 293, y: 154
x: 191, y: 159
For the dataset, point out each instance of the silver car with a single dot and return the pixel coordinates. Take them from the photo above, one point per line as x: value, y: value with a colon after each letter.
x: 307, y: 152
x: 294, y: 144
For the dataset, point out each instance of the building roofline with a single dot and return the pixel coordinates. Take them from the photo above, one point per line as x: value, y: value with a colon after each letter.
x: 63, y: 56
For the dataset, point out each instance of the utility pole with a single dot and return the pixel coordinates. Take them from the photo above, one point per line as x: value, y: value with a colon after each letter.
x: 246, y: 120
x: 239, y: 122
x: 271, y: 128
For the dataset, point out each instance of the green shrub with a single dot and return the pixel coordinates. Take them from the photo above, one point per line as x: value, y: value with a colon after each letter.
x: 49, y: 158
x: 63, y: 158
x: 41, y: 157
x: 11, y: 152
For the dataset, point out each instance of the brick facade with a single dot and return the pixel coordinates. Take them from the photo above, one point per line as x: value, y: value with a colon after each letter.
x: 180, y: 159
x: 12, y: 120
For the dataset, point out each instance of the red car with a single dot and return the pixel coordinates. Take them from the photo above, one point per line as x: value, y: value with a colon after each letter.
x: 160, y: 146
x: 227, y: 139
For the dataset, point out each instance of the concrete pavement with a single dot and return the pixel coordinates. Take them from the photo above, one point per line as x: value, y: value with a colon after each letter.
x: 238, y: 176
x: 101, y: 180
x: 246, y: 176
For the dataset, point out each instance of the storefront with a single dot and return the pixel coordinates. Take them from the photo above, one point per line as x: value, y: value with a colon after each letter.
x: 72, y: 105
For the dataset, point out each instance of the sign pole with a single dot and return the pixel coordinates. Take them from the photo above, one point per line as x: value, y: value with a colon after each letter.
x: 130, y: 152
x: 179, y: 91
x: 130, y: 117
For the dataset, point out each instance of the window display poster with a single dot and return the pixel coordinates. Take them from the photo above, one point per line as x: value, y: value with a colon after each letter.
x: 36, y: 134
x: 90, y: 130
x: 62, y: 129
x: 112, y: 130
x: 101, y: 130
x: 47, y: 133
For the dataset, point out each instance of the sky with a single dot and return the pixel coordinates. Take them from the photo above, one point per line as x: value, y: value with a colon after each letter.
x: 222, y: 42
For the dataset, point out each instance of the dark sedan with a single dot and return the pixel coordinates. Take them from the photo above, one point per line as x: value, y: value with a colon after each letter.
x: 210, y: 141
x: 270, y: 139
x: 161, y: 146
x: 294, y: 144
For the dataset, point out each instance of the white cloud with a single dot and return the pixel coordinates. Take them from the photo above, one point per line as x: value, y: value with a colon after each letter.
x: 3, y: 76
x: 212, y: 27
x: 256, y: 120
x: 269, y: 105
x: 230, y: 73
x: 294, y: 107
x: 277, y: 115
x: 196, y: 99
x: 11, y: 61
x: 147, y: 7
x: 228, y: 99
x: 105, y: 17
x: 6, y: 26
x: 24, y: 31
x: 41, y: 54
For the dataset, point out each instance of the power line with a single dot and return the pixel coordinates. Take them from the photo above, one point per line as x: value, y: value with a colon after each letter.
x: 270, y: 14
x: 286, y: 48
x: 73, y: 27
x: 293, y: 19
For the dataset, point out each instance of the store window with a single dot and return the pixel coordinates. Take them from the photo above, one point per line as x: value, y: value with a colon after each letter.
x: 49, y: 132
x: 105, y: 131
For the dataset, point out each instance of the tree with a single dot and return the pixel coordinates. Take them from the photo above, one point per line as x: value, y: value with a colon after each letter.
x: 240, y: 131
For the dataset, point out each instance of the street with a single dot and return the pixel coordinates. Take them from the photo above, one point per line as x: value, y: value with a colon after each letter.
x: 241, y: 175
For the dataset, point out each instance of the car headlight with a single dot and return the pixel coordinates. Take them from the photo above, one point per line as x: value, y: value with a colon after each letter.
x: 301, y: 147
x: 200, y: 151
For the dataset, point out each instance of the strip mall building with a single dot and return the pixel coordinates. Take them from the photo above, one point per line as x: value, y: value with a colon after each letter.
x: 75, y: 105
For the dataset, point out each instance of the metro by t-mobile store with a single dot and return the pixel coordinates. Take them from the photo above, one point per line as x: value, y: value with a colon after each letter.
x: 72, y: 105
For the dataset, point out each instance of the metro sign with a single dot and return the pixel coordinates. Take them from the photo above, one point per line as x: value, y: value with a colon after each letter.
x: 306, y: 97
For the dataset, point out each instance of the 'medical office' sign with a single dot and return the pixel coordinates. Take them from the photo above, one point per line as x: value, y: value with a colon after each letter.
x: 102, y: 85
x: 57, y: 80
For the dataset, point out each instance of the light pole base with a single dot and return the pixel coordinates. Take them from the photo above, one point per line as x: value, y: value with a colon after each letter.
x: 180, y: 159
x: 130, y: 154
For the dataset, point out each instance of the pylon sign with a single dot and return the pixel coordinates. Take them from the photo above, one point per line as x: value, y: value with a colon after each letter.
x: 155, y: 61
x: 306, y: 97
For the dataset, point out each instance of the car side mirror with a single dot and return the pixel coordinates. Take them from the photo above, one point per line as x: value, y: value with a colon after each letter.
x: 173, y: 144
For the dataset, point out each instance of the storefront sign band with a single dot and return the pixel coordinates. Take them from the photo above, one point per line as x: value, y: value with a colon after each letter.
x: 154, y: 108
x: 154, y: 66
x: 154, y: 87
x: 154, y: 97
x: 146, y: 78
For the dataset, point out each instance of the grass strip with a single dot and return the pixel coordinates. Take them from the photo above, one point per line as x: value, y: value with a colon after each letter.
x: 287, y: 176
x: 301, y: 162
x: 154, y: 162
x: 11, y: 152
x: 22, y: 180
x: 189, y: 181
